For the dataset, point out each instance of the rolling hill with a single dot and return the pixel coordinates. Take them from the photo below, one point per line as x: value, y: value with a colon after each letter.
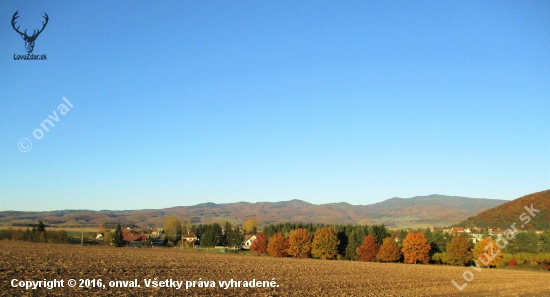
x: 506, y: 214
x: 433, y: 210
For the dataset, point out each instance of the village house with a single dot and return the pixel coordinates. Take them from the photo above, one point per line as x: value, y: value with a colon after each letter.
x: 248, y: 240
x: 495, y: 231
x: 190, y: 236
x: 131, y: 238
x: 457, y: 230
x: 157, y: 231
x: 476, y: 237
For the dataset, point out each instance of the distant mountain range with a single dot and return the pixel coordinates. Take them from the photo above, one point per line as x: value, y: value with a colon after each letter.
x: 422, y: 211
x: 508, y: 213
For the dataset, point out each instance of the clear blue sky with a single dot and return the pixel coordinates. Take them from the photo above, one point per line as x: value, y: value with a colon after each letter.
x: 184, y: 102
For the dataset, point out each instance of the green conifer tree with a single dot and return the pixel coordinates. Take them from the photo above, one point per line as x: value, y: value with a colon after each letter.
x: 118, y: 240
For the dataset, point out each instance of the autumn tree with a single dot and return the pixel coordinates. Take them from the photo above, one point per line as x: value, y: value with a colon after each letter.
x: 101, y: 228
x: 185, y: 225
x: 416, y: 248
x: 250, y: 225
x: 17, y: 234
x: 260, y: 244
x: 458, y: 251
x: 325, y: 243
x: 172, y: 228
x: 369, y: 249
x: 277, y: 246
x: 389, y: 251
x: 299, y: 243
x: 487, y: 253
x: 108, y: 237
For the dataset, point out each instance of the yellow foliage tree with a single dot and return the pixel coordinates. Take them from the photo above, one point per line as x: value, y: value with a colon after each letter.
x: 172, y: 228
x: 250, y: 225
x: 487, y: 253
x: 389, y: 251
x: 299, y: 243
x: 325, y: 243
x: 416, y: 248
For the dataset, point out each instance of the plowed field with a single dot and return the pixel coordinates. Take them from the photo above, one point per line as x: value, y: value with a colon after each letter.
x: 289, y: 277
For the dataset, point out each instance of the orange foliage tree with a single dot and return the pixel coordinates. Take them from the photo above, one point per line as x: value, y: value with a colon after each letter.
x: 325, y: 243
x: 458, y: 251
x: 487, y: 253
x: 277, y: 246
x: 260, y: 244
x: 369, y: 249
x: 416, y: 248
x: 299, y: 243
x: 100, y: 228
x: 389, y: 251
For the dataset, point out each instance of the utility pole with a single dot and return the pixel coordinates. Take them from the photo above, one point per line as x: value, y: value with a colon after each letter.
x: 82, y: 238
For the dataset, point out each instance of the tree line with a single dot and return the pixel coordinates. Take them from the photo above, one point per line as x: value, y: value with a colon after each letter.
x: 35, y: 234
x: 346, y: 242
x: 343, y: 242
x: 376, y: 243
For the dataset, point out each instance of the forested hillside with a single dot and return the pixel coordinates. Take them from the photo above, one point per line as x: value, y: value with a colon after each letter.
x: 506, y: 214
x: 433, y: 210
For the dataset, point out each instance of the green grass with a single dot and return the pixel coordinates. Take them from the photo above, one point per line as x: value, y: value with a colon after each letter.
x: 79, y: 234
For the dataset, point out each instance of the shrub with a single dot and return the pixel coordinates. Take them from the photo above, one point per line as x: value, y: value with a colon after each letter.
x: 439, y: 258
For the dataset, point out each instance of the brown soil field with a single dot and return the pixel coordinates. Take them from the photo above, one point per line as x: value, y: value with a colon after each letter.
x: 293, y: 277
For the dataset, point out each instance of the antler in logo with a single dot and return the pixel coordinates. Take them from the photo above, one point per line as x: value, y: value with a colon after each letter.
x: 29, y: 40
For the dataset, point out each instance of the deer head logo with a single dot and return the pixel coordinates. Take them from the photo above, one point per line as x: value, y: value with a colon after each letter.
x: 29, y: 40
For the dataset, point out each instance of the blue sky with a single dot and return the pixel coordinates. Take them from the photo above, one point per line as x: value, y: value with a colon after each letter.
x: 184, y: 102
